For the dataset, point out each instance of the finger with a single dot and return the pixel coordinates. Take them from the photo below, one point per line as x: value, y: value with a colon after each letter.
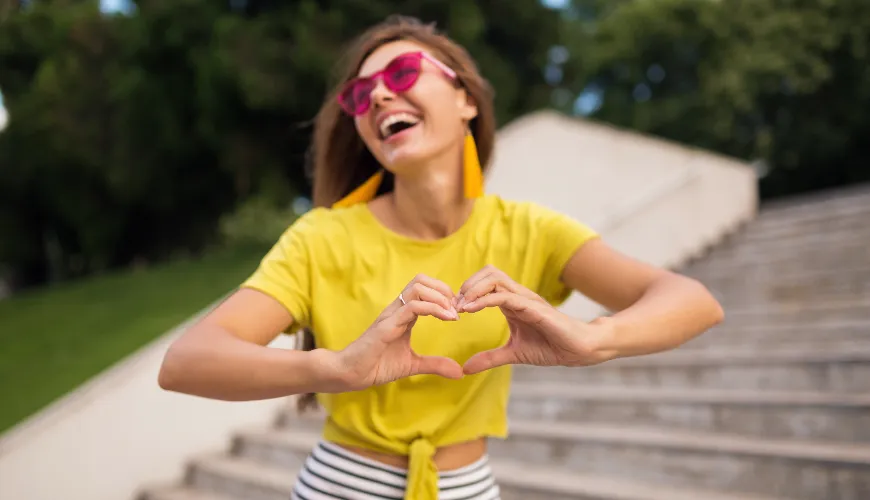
x: 419, y: 291
x: 493, y: 282
x: 434, y: 284
x: 487, y: 360
x: 507, y: 300
x: 475, y: 278
x: 408, y: 313
x: 438, y: 365
x: 416, y: 289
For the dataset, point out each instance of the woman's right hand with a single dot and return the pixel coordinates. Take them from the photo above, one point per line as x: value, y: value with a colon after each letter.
x: 383, y: 352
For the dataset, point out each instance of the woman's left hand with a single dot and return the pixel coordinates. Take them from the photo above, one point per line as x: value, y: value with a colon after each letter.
x: 539, y: 333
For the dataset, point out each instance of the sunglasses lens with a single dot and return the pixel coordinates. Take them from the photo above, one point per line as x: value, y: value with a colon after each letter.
x: 355, y: 97
x: 399, y: 76
x: 402, y: 73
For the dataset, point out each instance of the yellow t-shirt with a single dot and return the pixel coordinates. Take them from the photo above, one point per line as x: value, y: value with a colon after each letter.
x: 336, y: 269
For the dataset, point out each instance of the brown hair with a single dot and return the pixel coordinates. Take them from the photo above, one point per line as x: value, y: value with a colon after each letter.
x: 340, y: 159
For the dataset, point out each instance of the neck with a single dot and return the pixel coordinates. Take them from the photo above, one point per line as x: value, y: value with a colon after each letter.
x: 431, y: 205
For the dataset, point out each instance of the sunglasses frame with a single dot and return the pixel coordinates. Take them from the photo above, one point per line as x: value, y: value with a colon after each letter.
x: 419, y: 55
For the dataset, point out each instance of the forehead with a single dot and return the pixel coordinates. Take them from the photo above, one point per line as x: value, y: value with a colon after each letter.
x: 386, y: 53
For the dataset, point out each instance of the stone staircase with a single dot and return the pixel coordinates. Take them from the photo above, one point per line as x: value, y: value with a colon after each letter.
x: 774, y: 403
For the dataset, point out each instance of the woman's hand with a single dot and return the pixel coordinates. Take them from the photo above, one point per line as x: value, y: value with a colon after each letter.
x: 383, y: 352
x: 539, y: 333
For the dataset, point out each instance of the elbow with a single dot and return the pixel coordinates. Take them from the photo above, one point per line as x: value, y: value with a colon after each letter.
x: 718, y: 312
x: 714, y: 311
x: 165, y: 378
x: 169, y: 377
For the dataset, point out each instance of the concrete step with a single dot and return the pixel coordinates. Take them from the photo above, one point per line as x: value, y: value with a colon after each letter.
x: 815, y: 206
x: 769, y: 414
x: 522, y: 481
x: 517, y: 480
x: 839, y: 367
x: 770, y: 228
x: 788, y: 260
x: 851, y: 306
x: 763, y: 285
x: 241, y: 479
x: 854, y: 278
x: 836, y: 232
x: 772, y: 293
x: 815, y: 312
x: 311, y: 421
x: 786, y: 414
x: 176, y: 492
x: 778, y: 213
x: 782, y: 297
x: 824, y: 332
x: 794, y: 469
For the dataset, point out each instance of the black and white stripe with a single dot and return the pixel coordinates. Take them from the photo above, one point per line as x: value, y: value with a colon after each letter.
x: 332, y: 473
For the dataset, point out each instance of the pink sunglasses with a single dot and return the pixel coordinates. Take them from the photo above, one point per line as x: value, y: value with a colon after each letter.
x: 399, y: 75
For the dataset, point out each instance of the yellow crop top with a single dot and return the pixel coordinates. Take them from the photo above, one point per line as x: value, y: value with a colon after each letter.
x: 336, y: 269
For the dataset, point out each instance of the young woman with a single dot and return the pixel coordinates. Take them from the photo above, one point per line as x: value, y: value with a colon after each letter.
x: 419, y: 290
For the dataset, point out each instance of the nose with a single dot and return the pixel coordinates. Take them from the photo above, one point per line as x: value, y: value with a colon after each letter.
x: 381, y: 94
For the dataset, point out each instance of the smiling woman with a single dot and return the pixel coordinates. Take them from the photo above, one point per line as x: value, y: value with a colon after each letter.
x: 416, y: 290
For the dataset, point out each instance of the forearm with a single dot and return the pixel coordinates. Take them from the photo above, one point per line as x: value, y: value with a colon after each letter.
x: 217, y: 365
x: 672, y: 311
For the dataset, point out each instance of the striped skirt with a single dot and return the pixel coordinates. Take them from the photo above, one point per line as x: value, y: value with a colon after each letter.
x: 331, y: 472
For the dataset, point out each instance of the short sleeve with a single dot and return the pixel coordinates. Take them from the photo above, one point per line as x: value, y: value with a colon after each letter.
x: 560, y: 238
x: 285, y: 271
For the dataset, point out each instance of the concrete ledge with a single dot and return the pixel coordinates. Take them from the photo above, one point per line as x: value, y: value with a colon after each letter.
x: 658, y: 201
x: 106, y: 438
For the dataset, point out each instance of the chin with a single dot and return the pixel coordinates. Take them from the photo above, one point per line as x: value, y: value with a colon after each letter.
x: 403, y: 160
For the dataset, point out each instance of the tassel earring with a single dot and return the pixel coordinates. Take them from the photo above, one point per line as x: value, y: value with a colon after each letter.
x: 366, y: 192
x: 472, y: 173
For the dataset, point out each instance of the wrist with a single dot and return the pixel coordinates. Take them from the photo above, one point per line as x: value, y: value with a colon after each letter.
x: 330, y: 375
x: 604, y: 338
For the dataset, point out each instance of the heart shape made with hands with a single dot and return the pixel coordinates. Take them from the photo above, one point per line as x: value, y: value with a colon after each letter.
x: 539, y: 333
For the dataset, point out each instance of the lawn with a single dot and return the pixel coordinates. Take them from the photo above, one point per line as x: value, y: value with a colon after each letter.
x: 52, y: 340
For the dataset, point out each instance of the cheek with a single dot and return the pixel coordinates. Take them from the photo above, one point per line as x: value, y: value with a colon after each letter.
x: 438, y: 106
x: 365, y: 130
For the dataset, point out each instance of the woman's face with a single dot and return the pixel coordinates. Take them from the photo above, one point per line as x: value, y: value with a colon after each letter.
x: 437, y: 107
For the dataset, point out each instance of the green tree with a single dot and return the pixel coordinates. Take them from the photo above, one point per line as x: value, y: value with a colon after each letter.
x: 132, y: 135
x: 781, y: 81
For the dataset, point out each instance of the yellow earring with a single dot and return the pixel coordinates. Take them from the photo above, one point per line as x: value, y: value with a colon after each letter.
x: 472, y: 178
x: 472, y: 173
x: 366, y: 192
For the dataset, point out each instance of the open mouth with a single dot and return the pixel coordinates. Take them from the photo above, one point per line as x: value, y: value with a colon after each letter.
x: 396, y: 123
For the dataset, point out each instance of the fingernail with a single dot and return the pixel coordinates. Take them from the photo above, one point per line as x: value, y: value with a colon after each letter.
x: 461, y: 302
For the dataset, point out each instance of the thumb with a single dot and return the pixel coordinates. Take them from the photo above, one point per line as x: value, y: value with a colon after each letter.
x: 486, y: 360
x: 438, y: 365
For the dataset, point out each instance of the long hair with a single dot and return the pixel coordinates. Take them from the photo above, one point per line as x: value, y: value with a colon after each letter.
x: 340, y: 160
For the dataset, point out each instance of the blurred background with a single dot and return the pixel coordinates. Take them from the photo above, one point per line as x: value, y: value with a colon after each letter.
x: 151, y: 151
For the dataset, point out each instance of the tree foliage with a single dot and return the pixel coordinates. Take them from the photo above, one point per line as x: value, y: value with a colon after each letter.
x: 782, y: 82
x: 132, y: 136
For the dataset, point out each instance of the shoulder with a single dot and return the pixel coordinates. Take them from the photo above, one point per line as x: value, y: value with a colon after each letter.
x: 323, y: 225
x: 530, y: 213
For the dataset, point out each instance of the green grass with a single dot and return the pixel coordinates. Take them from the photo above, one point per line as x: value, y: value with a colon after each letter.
x: 54, y: 339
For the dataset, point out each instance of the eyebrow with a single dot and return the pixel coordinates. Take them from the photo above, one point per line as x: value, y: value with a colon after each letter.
x: 359, y: 72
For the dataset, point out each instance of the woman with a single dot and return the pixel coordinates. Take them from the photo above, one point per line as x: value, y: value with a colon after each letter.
x: 419, y: 289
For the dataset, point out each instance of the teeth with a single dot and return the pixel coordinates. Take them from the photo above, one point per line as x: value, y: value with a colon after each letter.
x: 396, y: 118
